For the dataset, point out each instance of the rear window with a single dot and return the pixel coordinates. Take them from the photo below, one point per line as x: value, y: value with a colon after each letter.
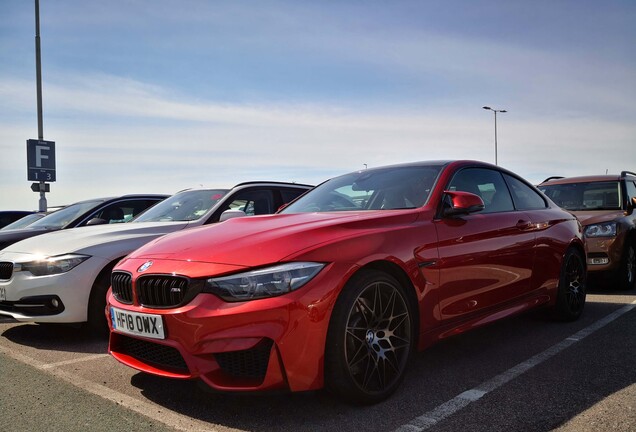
x: 524, y: 196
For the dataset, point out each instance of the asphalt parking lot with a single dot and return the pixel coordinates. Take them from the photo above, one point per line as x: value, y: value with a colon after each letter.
x: 527, y: 373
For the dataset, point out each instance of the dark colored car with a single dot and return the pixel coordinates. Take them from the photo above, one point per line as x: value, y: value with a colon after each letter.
x: 10, y: 216
x: 342, y: 285
x: 605, y: 206
x: 90, y: 212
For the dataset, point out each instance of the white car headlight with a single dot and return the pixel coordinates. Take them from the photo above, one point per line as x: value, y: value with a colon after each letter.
x: 607, y: 229
x: 52, y: 265
x: 261, y: 283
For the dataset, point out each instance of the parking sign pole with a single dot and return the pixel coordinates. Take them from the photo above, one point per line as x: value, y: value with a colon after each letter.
x: 38, y: 71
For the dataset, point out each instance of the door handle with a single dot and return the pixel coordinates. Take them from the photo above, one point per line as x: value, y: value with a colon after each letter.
x: 524, y: 225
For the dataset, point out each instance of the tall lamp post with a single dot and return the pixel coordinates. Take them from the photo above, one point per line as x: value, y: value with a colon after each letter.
x: 495, y: 111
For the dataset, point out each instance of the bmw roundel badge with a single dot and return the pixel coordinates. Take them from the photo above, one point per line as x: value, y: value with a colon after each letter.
x: 145, y: 266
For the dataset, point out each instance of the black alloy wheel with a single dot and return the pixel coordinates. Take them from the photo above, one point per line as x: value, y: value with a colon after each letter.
x: 370, y: 338
x: 572, y: 287
x: 96, y: 316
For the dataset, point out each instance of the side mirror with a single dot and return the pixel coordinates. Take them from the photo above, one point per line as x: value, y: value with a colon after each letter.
x: 461, y: 203
x: 96, y: 221
x: 231, y: 214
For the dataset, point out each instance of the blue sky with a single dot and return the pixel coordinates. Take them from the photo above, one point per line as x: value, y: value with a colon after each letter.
x: 157, y: 96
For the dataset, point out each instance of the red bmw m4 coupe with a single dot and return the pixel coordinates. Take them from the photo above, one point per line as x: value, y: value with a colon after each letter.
x: 341, y: 286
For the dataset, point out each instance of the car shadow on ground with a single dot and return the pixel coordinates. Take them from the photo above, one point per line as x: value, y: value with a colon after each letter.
x: 56, y: 337
x: 321, y: 410
x: 303, y: 411
x: 435, y: 375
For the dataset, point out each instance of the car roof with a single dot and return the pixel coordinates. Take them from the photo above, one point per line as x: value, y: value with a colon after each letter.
x: 250, y: 183
x: 17, y: 212
x: 104, y: 199
x: 588, y: 179
x: 276, y: 183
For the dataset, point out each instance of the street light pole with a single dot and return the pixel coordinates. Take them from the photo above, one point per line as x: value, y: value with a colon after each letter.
x: 495, y: 111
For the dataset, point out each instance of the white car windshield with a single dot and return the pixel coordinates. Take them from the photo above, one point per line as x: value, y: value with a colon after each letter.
x: 183, y: 206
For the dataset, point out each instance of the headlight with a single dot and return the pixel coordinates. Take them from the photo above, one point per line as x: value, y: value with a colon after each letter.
x: 607, y: 229
x: 262, y: 283
x: 53, y: 265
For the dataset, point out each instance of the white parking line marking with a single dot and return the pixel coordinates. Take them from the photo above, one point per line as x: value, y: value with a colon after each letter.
x: 155, y: 412
x: 77, y: 360
x: 429, y: 419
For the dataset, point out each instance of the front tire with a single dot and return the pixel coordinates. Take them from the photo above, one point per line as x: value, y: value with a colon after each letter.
x: 572, y: 287
x: 96, y: 320
x: 627, y: 271
x: 370, y: 338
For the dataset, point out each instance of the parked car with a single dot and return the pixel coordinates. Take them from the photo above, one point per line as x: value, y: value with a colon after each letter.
x: 10, y: 216
x: 340, y: 287
x: 90, y: 212
x: 24, y: 221
x: 605, y: 206
x: 63, y: 276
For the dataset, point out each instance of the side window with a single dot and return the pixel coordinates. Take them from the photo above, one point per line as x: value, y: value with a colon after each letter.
x: 123, y: 211
x: 524, y: 197
x: 631, y: 189
x: 289, y: 195
x: 134, y: 208
x: 486, y: 183
x: 255, y: 202
x: 113, y: 213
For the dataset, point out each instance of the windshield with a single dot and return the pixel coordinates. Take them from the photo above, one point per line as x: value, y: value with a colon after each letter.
x: 388, y: 188
x: 183, y: 206
x: 585, y: 196
x: 23, y: 222
x: 63, y: 217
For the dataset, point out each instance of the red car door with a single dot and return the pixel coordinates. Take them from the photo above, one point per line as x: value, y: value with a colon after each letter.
x: 485, y: 258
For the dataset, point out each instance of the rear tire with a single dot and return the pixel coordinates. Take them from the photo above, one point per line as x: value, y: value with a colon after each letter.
x: 370, y: 338
x: 572, y: 287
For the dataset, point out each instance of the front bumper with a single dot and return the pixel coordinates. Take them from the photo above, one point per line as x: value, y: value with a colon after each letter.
x: 604, y: 254
x: 59, y: 298
x: 259, y: 345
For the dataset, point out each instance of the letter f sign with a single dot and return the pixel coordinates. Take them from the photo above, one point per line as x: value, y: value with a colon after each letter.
x: 39, y: 156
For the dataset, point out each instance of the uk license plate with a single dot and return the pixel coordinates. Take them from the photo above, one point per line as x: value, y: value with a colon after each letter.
x: 3, y: 293
x: 138, y: 324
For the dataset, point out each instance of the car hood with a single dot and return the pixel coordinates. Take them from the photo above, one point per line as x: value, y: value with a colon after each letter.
x: 261, y: 240
x: 86, y: 239
x: 598, y: 216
